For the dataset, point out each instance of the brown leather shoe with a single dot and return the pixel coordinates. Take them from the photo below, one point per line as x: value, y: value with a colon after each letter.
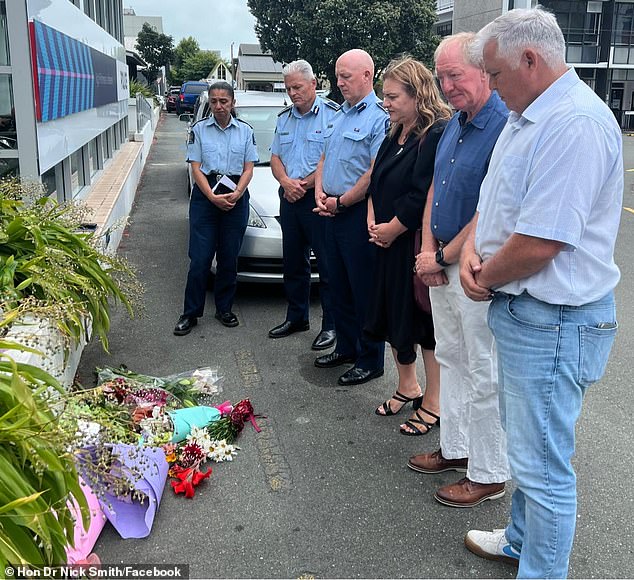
x: 436, y: 463
x: 466, y: 493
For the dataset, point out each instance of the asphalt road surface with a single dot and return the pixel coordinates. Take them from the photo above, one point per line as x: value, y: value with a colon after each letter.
x: 323, y: 491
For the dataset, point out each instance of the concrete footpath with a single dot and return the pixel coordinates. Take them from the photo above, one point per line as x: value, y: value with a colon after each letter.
x: 324, y: 491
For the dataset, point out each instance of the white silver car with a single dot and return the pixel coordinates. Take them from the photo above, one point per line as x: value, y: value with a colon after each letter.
x: 260, y: 258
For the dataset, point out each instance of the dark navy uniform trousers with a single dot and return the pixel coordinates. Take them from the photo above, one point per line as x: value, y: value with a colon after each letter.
x: 351, y: 266
x: 302, y: 230
x: 213, y: 232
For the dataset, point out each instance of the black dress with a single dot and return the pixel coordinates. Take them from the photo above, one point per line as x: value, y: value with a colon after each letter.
x: 400, y: 180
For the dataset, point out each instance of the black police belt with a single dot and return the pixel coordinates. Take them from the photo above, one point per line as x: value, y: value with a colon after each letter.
x: 214, y: 178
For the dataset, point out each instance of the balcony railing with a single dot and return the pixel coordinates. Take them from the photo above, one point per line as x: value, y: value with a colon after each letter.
x: 442, y: 5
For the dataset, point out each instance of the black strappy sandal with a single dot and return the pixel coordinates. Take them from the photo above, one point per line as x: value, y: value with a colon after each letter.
x: 401, y: 398
x: 411, y: 423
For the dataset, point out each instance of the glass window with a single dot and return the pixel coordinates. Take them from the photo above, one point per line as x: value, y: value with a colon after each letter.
x: 8, y: 134
x: 49, y: 182
x: 4, y: 36
x: 573, y: 54
x: 76, y: 172
x: 9, y: 167
x: 620, y: 55
x: 93, y: 159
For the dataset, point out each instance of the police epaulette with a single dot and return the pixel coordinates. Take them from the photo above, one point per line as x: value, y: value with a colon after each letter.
x: 379, y: 104
x: 201, y: 120
x: 332, y: 104
x: 285, y: 110
x: 243, y: 121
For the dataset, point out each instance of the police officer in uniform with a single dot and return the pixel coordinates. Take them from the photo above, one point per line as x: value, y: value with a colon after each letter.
x: 341, y: 183
x: 220, y: 147
x: 296, y: 150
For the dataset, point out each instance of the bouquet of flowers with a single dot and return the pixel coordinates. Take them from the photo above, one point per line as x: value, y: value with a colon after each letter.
x: 212, y: 442
x: 188, y: 387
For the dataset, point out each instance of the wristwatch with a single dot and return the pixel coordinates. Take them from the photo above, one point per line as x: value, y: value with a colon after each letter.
x: 440, y: 258
x: 340, y: 206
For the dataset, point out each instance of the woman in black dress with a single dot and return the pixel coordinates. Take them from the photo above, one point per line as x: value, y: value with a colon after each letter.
x: 402, y: 175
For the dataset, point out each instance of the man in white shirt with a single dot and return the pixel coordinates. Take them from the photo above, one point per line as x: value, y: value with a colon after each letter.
x: 543, y: 251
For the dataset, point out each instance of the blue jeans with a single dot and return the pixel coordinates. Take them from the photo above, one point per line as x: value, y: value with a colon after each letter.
x: 547, y: 357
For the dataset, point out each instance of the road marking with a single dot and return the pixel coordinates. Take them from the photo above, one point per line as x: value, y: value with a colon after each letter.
x: 276, y: 468
x: 629, y: 170
x: 247, y: 368
x: 628, y: 209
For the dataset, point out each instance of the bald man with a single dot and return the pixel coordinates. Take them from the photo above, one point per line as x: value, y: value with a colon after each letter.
x: 352, y: 141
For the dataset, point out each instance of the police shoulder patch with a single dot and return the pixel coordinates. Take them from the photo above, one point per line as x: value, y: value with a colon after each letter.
x: 285, y: 110
x: 379, y: 104
x: 332, y: 104
x: 192, y: 138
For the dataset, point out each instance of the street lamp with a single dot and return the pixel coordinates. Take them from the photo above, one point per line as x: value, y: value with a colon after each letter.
x: 233, y: 68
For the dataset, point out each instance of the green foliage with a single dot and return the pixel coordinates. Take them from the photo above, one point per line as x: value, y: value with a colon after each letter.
x: 37, y: 473
x: 137, y: 88
x: 320, y: 31
x: 186, y: 47
x: 196, y: 66
x: 49, y: 268
x: 156, y: 49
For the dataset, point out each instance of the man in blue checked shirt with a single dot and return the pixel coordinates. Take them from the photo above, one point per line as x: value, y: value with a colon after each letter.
x: 343, y: 175
x: 297, y: 147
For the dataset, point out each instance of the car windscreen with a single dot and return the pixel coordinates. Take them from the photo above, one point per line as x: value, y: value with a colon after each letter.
x: 195, y: 89
x: 263, y: 121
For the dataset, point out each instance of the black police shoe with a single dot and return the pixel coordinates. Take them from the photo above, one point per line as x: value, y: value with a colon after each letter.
x: 184, y: 325
x: 227, y: 318
x: 358, y: 376
x: 334, y: 359
x: 287, y: 328
x: 325, y: 339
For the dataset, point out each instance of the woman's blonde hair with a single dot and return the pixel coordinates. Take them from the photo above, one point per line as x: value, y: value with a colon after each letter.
x: 421, y: 85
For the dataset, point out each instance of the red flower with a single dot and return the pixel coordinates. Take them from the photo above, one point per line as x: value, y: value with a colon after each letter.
x: 243, y: 412
x: 188, y: 479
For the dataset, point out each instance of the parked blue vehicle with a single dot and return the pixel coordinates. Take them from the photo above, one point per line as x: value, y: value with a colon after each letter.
x: 188, y: 95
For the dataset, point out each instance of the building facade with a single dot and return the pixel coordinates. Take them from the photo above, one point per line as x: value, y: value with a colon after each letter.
x: 63, y: 91
x: 257, y: 71
x: 599, y: 40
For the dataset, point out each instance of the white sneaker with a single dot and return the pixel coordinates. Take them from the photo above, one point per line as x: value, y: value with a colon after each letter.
x: 492, y: 546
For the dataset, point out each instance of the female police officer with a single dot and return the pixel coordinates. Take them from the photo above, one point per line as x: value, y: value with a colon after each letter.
x: 219, y: 146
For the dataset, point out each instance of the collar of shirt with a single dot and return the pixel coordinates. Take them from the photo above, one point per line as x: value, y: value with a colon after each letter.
x: 361, y: 105
x: 543, y: 104
x: 212, y: 121
x: 482, y: 116
x: 314, y: 109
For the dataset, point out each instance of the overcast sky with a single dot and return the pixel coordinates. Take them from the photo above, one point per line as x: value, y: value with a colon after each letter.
x: 215, y: 24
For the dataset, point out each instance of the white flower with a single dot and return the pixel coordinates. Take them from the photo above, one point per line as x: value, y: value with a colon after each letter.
x: 201, y: 438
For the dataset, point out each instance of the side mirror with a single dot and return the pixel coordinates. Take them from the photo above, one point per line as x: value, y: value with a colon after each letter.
x: 185, y: 117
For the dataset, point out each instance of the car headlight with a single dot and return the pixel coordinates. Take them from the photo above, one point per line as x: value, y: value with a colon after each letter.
x: 255, y: 221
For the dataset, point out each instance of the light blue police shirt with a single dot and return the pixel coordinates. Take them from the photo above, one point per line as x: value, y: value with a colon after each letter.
x: 299, y: 139
x: 352, y: 142
x: 220, y: 150
x: 556, y: 173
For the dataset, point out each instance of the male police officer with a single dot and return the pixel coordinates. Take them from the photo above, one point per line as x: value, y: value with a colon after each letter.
x: 341, y: 182
x: 297, y: 147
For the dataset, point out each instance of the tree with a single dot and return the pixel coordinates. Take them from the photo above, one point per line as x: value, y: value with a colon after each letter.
x: 320, y: 30
x: 198, y: 66
x: 156, y: 49
x: 186, y: 47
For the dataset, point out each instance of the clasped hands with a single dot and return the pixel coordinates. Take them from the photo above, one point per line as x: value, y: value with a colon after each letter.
x: 294, y: 189
x: 429, y: 271
x: 225, y: 201
x: 471, y: 277
x: 381, y: 235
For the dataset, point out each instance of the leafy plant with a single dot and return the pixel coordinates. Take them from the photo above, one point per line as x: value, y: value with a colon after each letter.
x: 50, y: 268
x: 37, y: 471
